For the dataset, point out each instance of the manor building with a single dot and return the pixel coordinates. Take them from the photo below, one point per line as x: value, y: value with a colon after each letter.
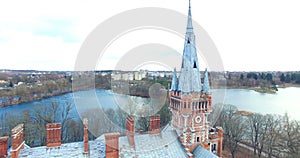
x: 189, y: 134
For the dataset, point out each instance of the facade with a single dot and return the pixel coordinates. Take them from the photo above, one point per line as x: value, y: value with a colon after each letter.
x: 190, y: 101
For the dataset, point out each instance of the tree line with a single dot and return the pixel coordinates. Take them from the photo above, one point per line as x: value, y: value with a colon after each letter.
x: 290, y: 78
x: 31, y: 90
x: 269, y: 135
x: 25, y: 93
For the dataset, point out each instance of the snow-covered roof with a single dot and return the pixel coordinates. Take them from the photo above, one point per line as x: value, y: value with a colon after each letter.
x: 68, y: 150
x: 200, y: 152
x: 162, y: 145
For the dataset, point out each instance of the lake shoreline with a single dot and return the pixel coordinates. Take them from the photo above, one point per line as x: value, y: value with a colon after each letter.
x: 286, y: 100
x: 256, y: 89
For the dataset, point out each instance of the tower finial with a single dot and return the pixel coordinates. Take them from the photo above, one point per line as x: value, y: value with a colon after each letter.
x: 190, y: 25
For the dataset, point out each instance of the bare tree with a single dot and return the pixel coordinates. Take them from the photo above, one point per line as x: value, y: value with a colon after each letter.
x: 73, y: 130
x: 235, y: 133
x: 234, y: 127
x: 272, y: 121
x: 255, y: 122
x: 52, y: 113
x: 289, y: 140
x: 263, y: 134
x: 144, y: 123
x: 64, y: 119
x: 121, y: 117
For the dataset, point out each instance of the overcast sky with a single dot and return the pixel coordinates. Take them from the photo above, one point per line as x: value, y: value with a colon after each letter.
x: 256, y: 35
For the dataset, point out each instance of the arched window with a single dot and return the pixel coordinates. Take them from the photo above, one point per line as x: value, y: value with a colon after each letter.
x: 198, y: 139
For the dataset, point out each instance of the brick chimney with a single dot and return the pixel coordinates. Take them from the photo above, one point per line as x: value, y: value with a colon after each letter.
x: 112, y: 145
x: 220, y: 142
x: 154, y: 124
x: 130, y: 129
x: 53, y: 135
x: 3, y: 146
x: 85, y: 136
x: 17, y: 140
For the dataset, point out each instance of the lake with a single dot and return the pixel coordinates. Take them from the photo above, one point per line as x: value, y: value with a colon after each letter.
x: 286, y: 100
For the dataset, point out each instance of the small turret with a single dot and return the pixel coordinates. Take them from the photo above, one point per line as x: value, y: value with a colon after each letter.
x: 174, y: 85
x: 206, y: 87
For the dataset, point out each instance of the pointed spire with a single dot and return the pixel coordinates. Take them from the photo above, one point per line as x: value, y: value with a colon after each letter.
x: 189, y: 24
x: 206, y: 87
x: 174, y: 85
x: 190, y: 78
x: 189, y: 37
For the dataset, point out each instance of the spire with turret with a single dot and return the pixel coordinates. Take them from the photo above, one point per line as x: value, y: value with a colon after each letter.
x: 190, y: 102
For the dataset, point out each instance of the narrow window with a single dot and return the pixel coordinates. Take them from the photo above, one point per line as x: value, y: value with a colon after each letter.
x: 214, y: 148
x: 195, y: 66
x: 198, y: 139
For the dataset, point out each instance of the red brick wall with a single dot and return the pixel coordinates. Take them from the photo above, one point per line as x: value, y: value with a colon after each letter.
x: 53, y: 134
x: 112, y: 145
x: 154, y: 124
x: 130, y: 129
x: 209, y: 103
x: 85, y: 135
x: 3, y: 146
x: 17, y: 140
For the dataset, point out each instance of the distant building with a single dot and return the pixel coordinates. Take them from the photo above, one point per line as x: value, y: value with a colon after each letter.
x: 20, y: 83
x: 116, y: 76
x: 138, y: 76
x: 3, y: 82
x: 129, y: 75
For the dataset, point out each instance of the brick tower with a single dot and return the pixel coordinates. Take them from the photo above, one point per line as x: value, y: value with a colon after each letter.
x: 190, y: 100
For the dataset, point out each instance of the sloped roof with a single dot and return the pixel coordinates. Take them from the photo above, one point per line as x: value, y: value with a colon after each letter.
x: 164, y: 145
x: 200, y: 152
x: 68, y: 150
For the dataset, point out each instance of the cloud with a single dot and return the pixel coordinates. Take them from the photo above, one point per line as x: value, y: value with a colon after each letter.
x: 42, y: 26
x: 256, y: 35
x: 56, y: 27
x: 25, y: 50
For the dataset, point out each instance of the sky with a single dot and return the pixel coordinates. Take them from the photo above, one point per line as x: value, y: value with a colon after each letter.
x: 256, y: 35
